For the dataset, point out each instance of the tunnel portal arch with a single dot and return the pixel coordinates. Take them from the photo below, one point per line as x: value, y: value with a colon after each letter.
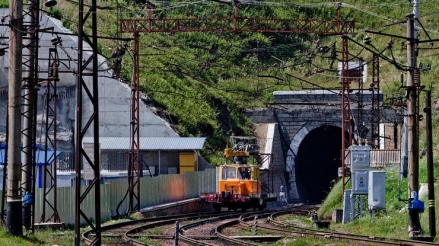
x: 317, y: 162
x: 313, y: 161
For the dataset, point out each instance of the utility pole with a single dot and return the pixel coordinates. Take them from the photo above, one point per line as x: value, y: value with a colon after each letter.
x: 430, y: 169
x: 14, y: 216
x: 412, y: 129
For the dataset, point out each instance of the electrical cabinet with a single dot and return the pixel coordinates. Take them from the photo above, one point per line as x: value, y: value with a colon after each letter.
x: 360, y: 182
x: 360, y: 156
x: 377, y: 190
x: 347, y: 212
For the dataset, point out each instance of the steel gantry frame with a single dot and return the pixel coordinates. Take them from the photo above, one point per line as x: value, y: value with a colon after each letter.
x: 31, y: 84
x: 134, y: 169
x: 233, y: 24
x: 87, y: 56
x: 29, y: 22
x: 346, y: 129
x: 49, y: 173
x: 29, y: 112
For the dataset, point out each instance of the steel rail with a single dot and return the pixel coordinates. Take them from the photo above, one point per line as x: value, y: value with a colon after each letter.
x: 308, y: 232
x: 87, y: 235
x: 229, y: 239
x: 194, y: 241
x: 129, y: 237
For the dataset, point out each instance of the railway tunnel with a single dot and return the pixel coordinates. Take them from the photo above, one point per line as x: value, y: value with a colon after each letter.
x: 306, y: 139
x: 316, y: 163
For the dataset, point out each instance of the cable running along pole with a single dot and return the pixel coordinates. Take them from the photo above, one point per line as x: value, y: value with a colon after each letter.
x: 412, y: 130
x: 430, y: 169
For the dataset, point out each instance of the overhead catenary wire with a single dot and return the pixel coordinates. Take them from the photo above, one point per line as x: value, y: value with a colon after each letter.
x: 181, y: 4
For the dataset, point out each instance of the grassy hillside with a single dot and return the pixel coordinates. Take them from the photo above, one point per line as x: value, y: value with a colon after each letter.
x: 204, y: 91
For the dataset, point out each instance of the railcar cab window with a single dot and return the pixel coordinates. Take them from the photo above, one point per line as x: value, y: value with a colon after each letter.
x: 244, y: 173
x: 229, y: 173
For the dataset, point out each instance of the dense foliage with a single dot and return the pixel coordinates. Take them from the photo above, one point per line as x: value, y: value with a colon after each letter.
x: 204, y: 82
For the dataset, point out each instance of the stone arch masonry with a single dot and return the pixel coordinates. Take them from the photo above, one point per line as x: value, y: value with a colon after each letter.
x: 296, y: 113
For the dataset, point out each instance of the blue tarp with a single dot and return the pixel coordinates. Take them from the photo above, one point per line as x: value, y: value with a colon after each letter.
x: 40, y: 156
x: 40, y: 160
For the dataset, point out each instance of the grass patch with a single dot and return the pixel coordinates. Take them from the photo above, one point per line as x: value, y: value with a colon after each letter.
x: 299, y: 241
x: 40, y: 237
x: 154, y: 231
x: 149, y: 241
x: 301, y: 221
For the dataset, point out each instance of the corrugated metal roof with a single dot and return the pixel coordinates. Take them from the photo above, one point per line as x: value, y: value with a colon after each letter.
x: 150, y: 143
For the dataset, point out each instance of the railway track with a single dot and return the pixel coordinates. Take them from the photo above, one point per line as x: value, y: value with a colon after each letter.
x: 231, y: 228
x: 129, y: 232
x: 296, y: 231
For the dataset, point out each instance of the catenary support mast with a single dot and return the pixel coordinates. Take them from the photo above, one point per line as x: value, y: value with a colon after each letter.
x: 87, y: 68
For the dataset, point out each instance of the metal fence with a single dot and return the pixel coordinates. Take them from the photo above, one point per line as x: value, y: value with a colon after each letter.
x: 66, y: 162
x: 115, y: 162
x: 154, y: 191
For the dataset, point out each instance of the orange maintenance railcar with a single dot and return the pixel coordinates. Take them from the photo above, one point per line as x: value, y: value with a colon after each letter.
x: 239, y: 184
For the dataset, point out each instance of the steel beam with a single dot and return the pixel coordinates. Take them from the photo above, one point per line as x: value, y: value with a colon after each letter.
x: 30, y: 68
x: 375, y: 88
x: 346, y: 130
x: 134, y: 165
x: 87, y: 56
x: 49, y: 174
x: 235, y: 24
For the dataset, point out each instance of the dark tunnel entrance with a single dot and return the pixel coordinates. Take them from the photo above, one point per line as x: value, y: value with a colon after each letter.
x: 317, y: 162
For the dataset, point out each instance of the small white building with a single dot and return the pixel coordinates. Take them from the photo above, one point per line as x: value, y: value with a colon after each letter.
x: 158, y: 155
